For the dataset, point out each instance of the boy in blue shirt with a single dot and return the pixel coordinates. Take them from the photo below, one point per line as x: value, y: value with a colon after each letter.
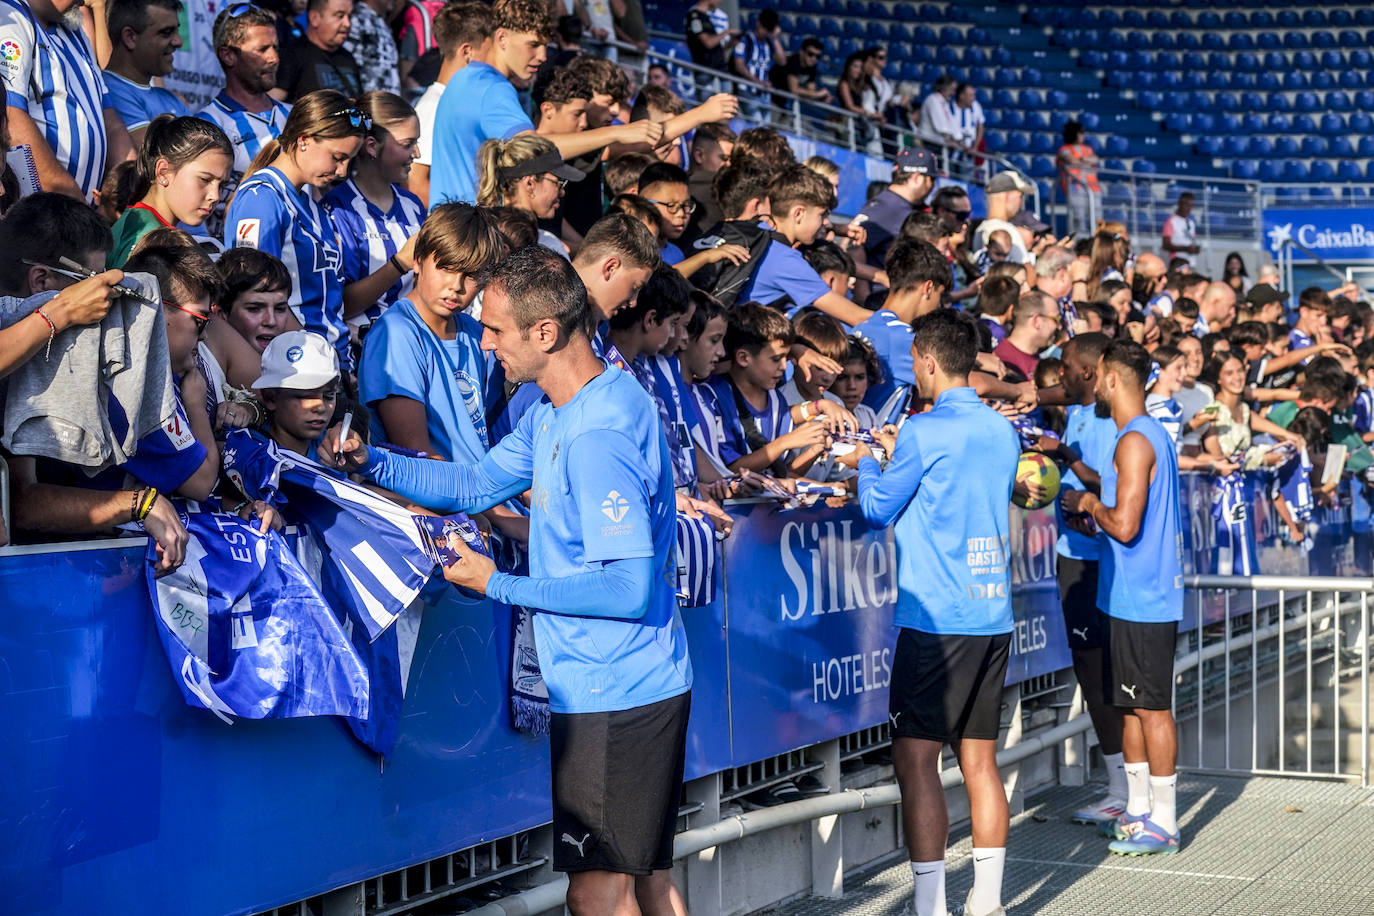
x: 602, y: 583
x: 919, y: 276
x: 666, y: 187
x: 946, y: 493
x: 1140, y: 588
x: 799, y: 200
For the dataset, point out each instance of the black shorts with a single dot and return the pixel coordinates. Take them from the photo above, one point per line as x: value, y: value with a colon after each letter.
x: 1078, y: 598
x: 945, y: 688
x: 1139, y: 663
x: 617, y: 786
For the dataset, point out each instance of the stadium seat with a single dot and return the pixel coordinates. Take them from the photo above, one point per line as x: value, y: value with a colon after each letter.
x: 1364, y: 100
x: 1331, y: 123
x: 1208, y: 20
x: 1333, y: 60
x: 1168, y: 60
x: 1013, y: 118
x: 1208, y: 145
x: 951, y: 35
x: 1200, y: 101
x: 1163, y: 41
x: 975, y: 57
x: 1149, y: 99
x: 876, y: 31
x: 1243, y: 81
x: 1323, y: 79
x: 1294, y: 40
x: 1351, y: 79
x: 1057, y: 98
x: 1204, y: 122
x: 1239, y: 41
x: 1019, y: 163
x: 1349, y: 38
x: 1270, y: 170
x: 1089, y: 120
x: 1340, y: 18
x: 1361, y: 123
x: 1212, y: 41
x: 1255, y: 123
x: 1003, y: 98
x: 1324, y: 40
x: 1364, y: 16
x: 1043, y: 167
x: 1037, y: 120
x: 1269, y: 80
x: 1114, y: 165
x: 1280, y: 123
x: 1262, y: 19
x: 1295, y: 80
x: 1235, y: 145
x: 1296, y: 170
x: 1304, y: 124
x: 1244, y: 169
x: 1016, y: 142
x: 1314, y: 19
x: 1218, y: 79
x: 1236, y: 20
x: 1348, y: 171
x: 1268, y: 41
x: 1252, y: 101
x: 1188, y: 41
x: 1042, y: 143
x: 1338, y: 101
x: 1216, y: 60
x: 1146, y: 79
x: 1369, y: 172
x: 1229, y: 122
x: 852, y: 29
x: 1286, y: 146
x: 879, y: 10
x: 1275, y: 60
x: 1366, y: 146
x: 1032, y: 99
x: 1180, y: 20
x: 1261, y: 146
x: 1133, y: 19
x: 1288, y: 19
x: 1305, y: 60
x: 1157, y: 19
x: 1341, y: 146
x: 1315, y: 146
x: 1117, y: 145
x: 947, y: 54
x: 1143, y: 167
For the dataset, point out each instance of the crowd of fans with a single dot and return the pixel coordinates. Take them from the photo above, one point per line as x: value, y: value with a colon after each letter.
x: 332, y: 212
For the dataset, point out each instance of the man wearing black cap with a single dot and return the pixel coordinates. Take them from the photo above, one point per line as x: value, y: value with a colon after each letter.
x: 1265, y: 303
x: 913, y: 177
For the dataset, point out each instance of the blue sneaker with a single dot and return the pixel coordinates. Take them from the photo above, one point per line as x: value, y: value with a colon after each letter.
x: 1146, y: 840
x: 1121, y: 828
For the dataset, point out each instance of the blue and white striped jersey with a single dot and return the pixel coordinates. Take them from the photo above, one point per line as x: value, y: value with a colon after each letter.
x: 271, y: 215
x: 248, y: 131
x: 51, y: 72
x: 368, y: 237
x: 137, y: 105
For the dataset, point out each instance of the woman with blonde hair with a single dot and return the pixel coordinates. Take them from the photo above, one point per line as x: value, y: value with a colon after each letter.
x: 528, y: 173
x: 375, y: 216
x: 274, y: 208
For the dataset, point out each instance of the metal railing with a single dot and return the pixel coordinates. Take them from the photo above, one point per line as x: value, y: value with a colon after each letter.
x: 1269, y: 682
x: 811, y: 119
x: 1225, y: 209
x: 1285, y: 263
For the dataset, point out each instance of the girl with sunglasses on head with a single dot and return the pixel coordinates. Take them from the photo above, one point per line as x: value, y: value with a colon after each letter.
x: 275, y: 208
x: 181, y: 166
x: 374, y: 215
x: 528, y: 173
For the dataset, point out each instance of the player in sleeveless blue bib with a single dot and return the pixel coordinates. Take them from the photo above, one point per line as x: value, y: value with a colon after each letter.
x: 602, y: 583
x: 1140, y: 588
x: 274, y: 210
x: 946, y: 493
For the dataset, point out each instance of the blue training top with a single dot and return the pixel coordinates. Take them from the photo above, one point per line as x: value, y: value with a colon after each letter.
x: 1094, y: 438
x: 603, y: 540
x: 1143, y: 581
x: 946, y: 493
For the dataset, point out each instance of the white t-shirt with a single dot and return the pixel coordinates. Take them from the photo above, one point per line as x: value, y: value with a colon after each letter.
x: 426, y: 106
x: 935, y: 124
x: 1182, y: 231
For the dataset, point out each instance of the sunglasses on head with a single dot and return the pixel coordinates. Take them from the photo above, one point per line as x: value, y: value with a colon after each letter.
x: 236, y: 10
x: 356, y: 118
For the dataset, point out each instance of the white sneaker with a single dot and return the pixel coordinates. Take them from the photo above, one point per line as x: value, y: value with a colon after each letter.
x: 968, y: 908
x: 1105, y: 809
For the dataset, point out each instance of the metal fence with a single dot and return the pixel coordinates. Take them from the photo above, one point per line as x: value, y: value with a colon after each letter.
x: 1274, y: 677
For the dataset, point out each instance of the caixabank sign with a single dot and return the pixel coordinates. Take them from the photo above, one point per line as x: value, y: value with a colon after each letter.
x: 1338, y: 234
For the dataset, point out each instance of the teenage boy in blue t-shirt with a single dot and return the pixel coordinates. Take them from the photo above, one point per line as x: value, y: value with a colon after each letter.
x: 919, y: 276
x: 945, y: 494
x: 602, y: 583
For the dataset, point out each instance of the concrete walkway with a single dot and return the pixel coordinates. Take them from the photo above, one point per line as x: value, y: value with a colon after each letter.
x: 1251, y: 846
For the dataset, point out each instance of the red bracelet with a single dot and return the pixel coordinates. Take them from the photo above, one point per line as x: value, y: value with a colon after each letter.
x: 52, y: 330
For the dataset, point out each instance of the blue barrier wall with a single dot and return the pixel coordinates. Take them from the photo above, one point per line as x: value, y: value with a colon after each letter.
x: 120, y: 798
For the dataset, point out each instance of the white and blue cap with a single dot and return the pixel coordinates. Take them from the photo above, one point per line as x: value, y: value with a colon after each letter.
x: 299, y: 360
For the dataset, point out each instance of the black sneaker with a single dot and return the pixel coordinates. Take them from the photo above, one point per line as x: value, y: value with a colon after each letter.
x: 771, y: 797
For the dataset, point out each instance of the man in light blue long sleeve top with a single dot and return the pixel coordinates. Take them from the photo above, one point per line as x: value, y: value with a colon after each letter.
x: 946, y: 493
x: 602, y: 583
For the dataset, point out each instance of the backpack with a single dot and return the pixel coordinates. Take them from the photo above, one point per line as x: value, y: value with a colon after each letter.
x: 725, y: 279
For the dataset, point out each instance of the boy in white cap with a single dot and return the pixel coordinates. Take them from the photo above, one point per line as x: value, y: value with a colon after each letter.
x: 300, y: 387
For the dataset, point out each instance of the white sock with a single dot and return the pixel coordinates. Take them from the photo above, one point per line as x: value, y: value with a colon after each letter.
x: 1137, y: 788
x: 1163, y: 811
x: 987, y: 880
x: 1116, y: 776
x: 929, y: 881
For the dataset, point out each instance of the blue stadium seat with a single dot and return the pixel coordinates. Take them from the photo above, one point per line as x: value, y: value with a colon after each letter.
x: 1304, y: 124
x: 1315, y: 146
x: 1262, y: 19
x: 1089, y: 120
x: 1004, y: 98
x: 877, y: 31
x: 1032, y: 99
x: 897, y: 31
x: 1178, y: 121
x: 1361, y: 123
x: 1093, y: 59
x: 1145, y: 79
x: 1163, y: 41
x: 1275, y: 60
x: 879, y: 10
x: 1208, y: 146
x: 1323, y: 40
x: 1180, y: 20
x: 1194, y: 79
x: 1019, y: 163
x: 951, y: 35
x: 1338, y: 101
x: 1251, y: 101
x: 1364, y: 100
x: 1293, y: 40
x: 1013, y: 119
x: 1043, y: 167
x: 1235, y: 145
x: 1333, y: 60
x: 1188, y: 41
x: 1157, y: 19
x: 828, y: 28
x: 1348, y: 171
x: 1036, y: 120
x: 1243, y: 81
x: 1168, y: 60
x: 932, y: 72
x: 1200, y: 101
x: 1269, y: 80
x: 1255, y: 123
x: 1295, y: 80
x: 1331, y: 123
x: 1268, y: 41
x: 1058, y: 119
x: 924, y: 34
x: 1042, y: 143
x: 1208, y: 20
x: 1341, y: 146
x: 1204, y: 122
x: 980, y: 76
x: 1031, y: 77
x: 978, y: 36
x: 852, y: 29
x: 929, y: 12
x: 1217, y: 60
x: 1288, y: 19
x: 1149, y: 99
x: 1132, y: 19
x: 1323, y: 79
x: 1351, y: 79
x: 1230, y: 122
x: 1369, y: 172
x: 1340, y: 18
x: 1270, y: 170
x: 947, y: 55
x: 1109, y: 18
x: 1286, y: 146
x: 855, y: 8
x: 1349, y: 38
x: 1218, y: 79
x: 1244, y: 169
x: 1114, y: 165
x: 1117, y: 145
x: 975, y: 57
x: 1227, y: 101
x: 1280, y: 123
x: 1212, y: 41
x: 1366, y: 146
x: 1169, y: 79
x: 1305, y: 60
x: 1236, y: 20
x: 1057, y: 98
x: 1239, y: 41
x: 1364, y: 16
x: 1261, y: 146
x: 1143, y: 167
x: 1296, y: 170
x: 1314, y: 18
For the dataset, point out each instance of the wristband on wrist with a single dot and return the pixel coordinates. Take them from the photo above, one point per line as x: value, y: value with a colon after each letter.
x: 52, y: 330
x: 397, y: 264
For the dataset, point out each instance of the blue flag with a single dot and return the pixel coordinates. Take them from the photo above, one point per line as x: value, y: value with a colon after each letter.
x: 373, y: 560
x: 247, y: 632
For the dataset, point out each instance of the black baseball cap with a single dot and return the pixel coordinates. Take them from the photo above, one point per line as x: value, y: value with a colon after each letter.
x: 550, y: 162
x: 1262, y: 294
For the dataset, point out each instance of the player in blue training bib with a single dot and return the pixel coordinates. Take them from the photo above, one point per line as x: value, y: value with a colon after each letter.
x: 946, y: 494
x: 1140, y: 588
x: 603, y: 574
x: 274, y: 211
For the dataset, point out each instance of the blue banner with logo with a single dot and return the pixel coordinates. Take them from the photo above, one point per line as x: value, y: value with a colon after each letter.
x: 1335, y: 234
